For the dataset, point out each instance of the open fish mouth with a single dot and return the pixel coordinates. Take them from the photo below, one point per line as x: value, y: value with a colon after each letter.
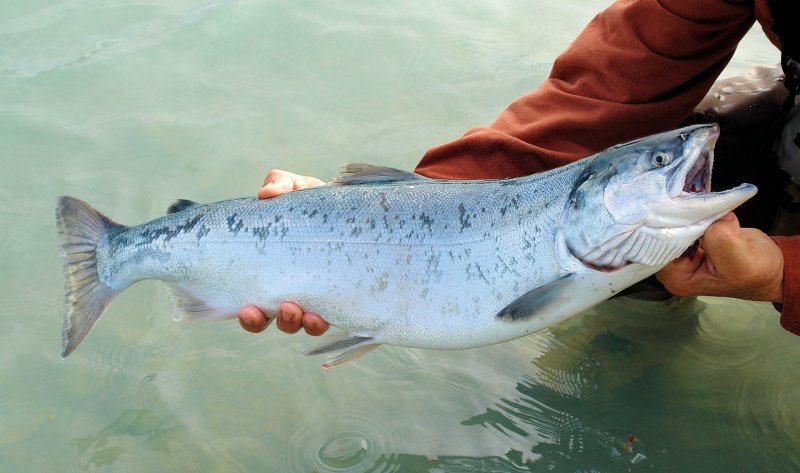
x: 689, y: 186
x: 698, y: 178
x: 694, y: 176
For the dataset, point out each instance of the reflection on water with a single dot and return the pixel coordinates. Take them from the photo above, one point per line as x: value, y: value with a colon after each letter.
x: 104, y: 447
x: 131, y: 105
x: 702, y: 398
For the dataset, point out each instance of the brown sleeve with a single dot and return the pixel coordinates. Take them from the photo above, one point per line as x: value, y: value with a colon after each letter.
x: 638, y: 68
x: 790, y: 310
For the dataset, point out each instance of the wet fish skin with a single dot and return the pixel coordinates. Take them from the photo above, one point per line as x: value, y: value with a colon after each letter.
x: 391, y: 257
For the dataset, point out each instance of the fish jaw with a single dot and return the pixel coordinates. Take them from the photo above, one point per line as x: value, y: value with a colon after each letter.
x: 698, y: 208
x: 690, y: 200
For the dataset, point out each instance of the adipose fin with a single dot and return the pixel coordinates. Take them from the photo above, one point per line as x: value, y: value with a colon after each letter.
x: 180, y: 205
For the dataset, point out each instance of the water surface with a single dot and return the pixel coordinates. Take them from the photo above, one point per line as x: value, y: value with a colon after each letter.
x: 130, y: 105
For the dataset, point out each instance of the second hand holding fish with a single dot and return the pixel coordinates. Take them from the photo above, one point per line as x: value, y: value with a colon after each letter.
x: 731, y: 261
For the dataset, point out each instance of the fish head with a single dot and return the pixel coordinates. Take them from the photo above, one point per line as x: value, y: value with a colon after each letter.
x: 646, y: 201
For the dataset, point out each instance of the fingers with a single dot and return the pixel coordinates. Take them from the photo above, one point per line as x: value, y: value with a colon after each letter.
x: 679, y: 275
x: 291, y: 318
x: 746, y: 258
x: 252, y: 319
x: 279, y: 182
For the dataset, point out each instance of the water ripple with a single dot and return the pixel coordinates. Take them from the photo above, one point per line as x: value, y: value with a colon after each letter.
x: 46, y: 38
x: 353, y: 440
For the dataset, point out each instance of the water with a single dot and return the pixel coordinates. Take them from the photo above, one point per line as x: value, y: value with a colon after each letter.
x: 130, y: 105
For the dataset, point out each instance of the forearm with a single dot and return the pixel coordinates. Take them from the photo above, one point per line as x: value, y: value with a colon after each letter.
x: 638, y: 68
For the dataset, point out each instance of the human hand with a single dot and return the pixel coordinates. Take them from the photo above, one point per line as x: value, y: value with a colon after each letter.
x: 290, y: 316
x: 280, y: 182
x: 290, y: 319
x: 731, y: 261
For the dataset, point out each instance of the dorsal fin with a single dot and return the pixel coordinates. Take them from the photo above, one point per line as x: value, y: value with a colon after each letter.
x: 180, y: 205
x: 357, y: 173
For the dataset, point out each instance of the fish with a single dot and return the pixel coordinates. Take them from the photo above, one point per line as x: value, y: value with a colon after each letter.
x: 391, y: 257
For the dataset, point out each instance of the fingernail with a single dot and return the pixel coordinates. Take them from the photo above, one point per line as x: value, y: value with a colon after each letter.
x: 284, y: 315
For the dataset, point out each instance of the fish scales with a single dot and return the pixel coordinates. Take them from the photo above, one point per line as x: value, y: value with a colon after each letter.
x: 379, y: 258
x: 390, y: 257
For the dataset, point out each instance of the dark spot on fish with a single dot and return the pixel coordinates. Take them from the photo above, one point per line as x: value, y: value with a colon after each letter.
x: 463, y: 217
x: 203, y: 231
x: 233, y: 225
x: 426, y: 220
x: 480, y: 272
x: 433, y: 262
x: 168, y: 232
x: 382, y: 201
x: 382, y: 283
x: 262, y: 233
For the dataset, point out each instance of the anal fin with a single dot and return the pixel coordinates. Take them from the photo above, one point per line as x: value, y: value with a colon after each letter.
x: 189, y: 308
x: 349, y: 345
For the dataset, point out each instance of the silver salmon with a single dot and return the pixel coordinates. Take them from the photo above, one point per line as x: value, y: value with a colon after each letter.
x: 391, y: 257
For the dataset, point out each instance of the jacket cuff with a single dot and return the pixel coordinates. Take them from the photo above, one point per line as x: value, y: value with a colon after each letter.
x: 790, y: 309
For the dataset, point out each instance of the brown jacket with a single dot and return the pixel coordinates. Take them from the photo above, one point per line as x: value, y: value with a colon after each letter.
x: 639, y: 67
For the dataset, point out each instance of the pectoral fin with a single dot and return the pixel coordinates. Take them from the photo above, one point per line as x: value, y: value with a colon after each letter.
x: 538, y: 300
x: 351, y: 347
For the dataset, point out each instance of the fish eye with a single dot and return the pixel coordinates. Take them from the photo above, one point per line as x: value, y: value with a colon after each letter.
x: 661, y: 158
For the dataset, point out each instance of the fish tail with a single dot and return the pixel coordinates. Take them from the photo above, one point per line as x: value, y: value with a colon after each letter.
x: 80, y: 229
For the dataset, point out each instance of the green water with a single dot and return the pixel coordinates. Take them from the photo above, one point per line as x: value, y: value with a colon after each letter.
x: 130, y: 105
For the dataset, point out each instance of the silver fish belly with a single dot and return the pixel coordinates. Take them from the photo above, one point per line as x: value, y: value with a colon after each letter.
x: 391, y: 257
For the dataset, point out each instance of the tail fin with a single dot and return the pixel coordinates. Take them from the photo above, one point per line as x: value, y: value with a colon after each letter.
x: 80, y: 228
